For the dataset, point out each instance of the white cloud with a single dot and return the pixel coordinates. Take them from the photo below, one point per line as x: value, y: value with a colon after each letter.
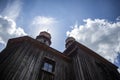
x: 42, y: 23
x: 8, y: 29
x: 12, y: 9
x: 118, y: 18
x: 100, y: 35
x: 118, y: 70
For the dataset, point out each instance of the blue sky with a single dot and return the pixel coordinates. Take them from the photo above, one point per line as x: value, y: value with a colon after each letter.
x: 94, y: 23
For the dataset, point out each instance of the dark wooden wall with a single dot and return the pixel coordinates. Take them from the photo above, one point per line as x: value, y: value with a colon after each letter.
x: 22, y: 61
x: 86, y: 67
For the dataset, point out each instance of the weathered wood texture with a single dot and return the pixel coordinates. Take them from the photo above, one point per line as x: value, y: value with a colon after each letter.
x: 22, y: 61
x: 86, y: 67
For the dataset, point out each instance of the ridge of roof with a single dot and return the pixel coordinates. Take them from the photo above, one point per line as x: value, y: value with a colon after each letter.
x: 38, y: 44
x: 88, y: 51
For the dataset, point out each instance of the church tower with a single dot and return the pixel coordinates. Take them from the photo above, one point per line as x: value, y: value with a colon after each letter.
x: 69, y: 41
x: 25, y: 58
x: 44, y: 37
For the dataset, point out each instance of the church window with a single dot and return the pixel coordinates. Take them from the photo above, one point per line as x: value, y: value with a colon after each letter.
x: 48, y: 65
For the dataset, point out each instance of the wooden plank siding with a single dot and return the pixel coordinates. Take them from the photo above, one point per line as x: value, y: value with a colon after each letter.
x: 23, y: 58
x: 22, y: 61
x: 85, y: 67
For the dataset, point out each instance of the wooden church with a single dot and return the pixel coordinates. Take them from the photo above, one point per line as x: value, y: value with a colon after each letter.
x: 25, y: 58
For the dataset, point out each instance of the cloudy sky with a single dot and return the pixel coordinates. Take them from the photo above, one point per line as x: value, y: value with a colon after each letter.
x: 94, y: 23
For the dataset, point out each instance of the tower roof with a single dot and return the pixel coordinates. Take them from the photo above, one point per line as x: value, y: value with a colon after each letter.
x: 44, y: 37
x: 45, y: 34
x: 69, y: 41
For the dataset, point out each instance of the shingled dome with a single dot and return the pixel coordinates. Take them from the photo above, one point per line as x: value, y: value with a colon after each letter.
x: 69, y: 41
x: 44, y: 37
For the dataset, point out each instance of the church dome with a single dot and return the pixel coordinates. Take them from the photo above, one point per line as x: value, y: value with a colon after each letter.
x: 44, y: 37
x: 69, y: 41
x: 45, y: 34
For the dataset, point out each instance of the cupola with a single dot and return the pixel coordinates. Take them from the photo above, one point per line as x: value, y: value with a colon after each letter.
x: 44, y: 37
x: 69, y: 41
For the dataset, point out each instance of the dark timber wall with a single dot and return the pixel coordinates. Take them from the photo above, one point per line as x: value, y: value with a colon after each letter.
x: 22, y: 61
x: 87, y: 67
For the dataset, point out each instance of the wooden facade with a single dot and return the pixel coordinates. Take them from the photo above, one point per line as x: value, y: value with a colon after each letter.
x: 24, y: 58
x: 87, y: 65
